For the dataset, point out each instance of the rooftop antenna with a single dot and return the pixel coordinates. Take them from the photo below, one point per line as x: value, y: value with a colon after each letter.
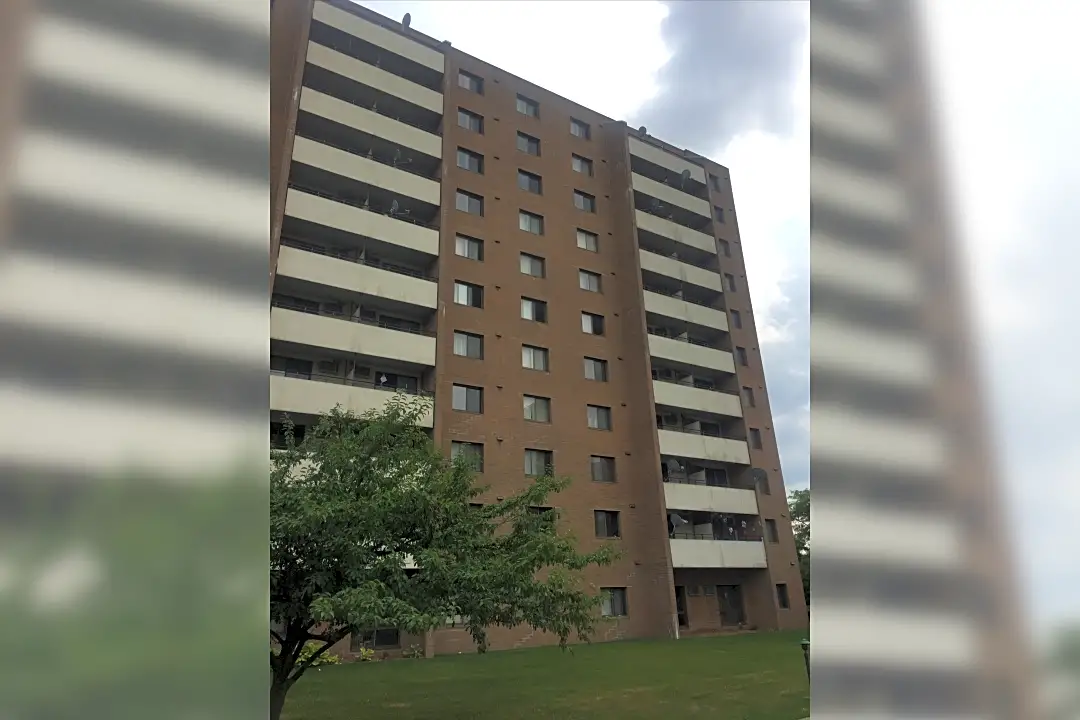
x: 405, y: 21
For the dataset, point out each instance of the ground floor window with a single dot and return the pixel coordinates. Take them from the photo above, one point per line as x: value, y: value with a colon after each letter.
x: 613, y: 602
x: 382, y: 639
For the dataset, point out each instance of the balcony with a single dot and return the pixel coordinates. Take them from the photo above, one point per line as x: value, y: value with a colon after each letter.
x: 379, y: 36
x: 314, y: 394
x: 664, y: 159
x: 691, y: 353
x: 373, y: 77
x: 364, y: 170
x: 684, y: 496
x: 678, y: 308
x: 688, y: 443
x: 679, y: 270
x: 350, y: 334
x: 705, y: 552
x: 650, y: 222
x: 686, y: 396
x: 352, y: 217
x: 671, y: 196
x: 369, y: 121
x: 316, y: 265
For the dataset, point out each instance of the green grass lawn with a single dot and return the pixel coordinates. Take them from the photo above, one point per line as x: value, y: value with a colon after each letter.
x: 743, y: 677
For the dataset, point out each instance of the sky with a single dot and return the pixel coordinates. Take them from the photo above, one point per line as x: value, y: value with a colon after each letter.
x: 1007, y: 119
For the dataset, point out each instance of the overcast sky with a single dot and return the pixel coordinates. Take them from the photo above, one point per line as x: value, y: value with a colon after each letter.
x: 730, y: 80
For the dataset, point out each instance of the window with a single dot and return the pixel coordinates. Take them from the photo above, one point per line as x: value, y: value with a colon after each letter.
x: 468, y: 399
x: 472, y: 452
x: 468, y: 294
x: 715, y: 182
x: 528, y: 144
x: 538, y: 462
x: 595, y: 369
x: 534, y: 358
x: 382, y: 639
x: 740, y: 355
x: 528, y: 106
x: 467, y: 202
x: 470, y: 121
x: 588, y: 281
x: 467, y: 247
x: 719, y: 213
x: 736, y: 319
x: 725, y: 248
x: 588, y: 241
x: 537, y: 409
x: 530, y: 183
x: 761, y: 481
x: 592, y: 324
x: 771, y: 533
x: 470, y: 82
x: 581, y: 165
x: 599, y: 417
x: 782, y: 596
x: 613, y: 602
x: 603, y: 468
x: 729, y: 282
x: 468, y: 160
x: 530, y: 223
x: 748, y: 397
x: 584, y: 201
x: 579, y: 129
x: 532, y: 265
x: 533, y: 310
x: 468, y: 345
x: 755, y: 438
x: 607, y: 523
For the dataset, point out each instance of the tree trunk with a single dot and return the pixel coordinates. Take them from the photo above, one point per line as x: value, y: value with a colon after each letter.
x: 277, y: 699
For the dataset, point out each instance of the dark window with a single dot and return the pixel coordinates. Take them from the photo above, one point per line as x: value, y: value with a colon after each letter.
x: 532, y: 265
x: 771, y: 533
x: 755, y: 438
x: 719, y: 212
x: 595, y: 369
x: 538, y: 463
x: 468, y: 345
x: 468, y: 160
x: 715, y: 181
x: 740, y: 355
x: 729, y: 282
x: 530, y: 183
x: 470, y: 121
x: 533, y: 310
x: 584, y: 201
x: 725, y: 248
x: 528, y: 144
x: 528, y: 106
x: 592, y: 324
x: 382, y: 639
x: 603, y: 468
x: 468, y: 399
x: 599, y: 417
x: 580, y: 129
x: 748, y: 397
x: 581, y: 164
x: 607, y: 523
x: 470, y: 82
x: 467, y: 247
x: 613, y: 602
x: 472, y: 452
x: 467, y: 202
x: 468, y: 294
x: 782, y: 596
x: 736, y: 319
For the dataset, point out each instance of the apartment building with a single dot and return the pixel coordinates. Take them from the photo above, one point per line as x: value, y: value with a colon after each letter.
x: 915, y: 609
x: 570, y: 291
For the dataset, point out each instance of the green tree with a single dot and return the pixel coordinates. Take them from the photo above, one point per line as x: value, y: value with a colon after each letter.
x: 371, y: 526
x: 799, y: 509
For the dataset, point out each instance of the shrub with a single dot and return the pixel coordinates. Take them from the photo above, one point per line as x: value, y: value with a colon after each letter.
x: 366, y: 655
x: 327, y: 658
x: 413, y: 652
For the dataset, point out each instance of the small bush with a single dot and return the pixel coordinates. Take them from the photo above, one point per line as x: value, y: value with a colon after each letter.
x: 413, y: 652
x: 366, y: 655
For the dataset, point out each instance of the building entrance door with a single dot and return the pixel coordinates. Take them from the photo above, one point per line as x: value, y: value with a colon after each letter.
x: 680, y: 606
x: 730, y: 600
